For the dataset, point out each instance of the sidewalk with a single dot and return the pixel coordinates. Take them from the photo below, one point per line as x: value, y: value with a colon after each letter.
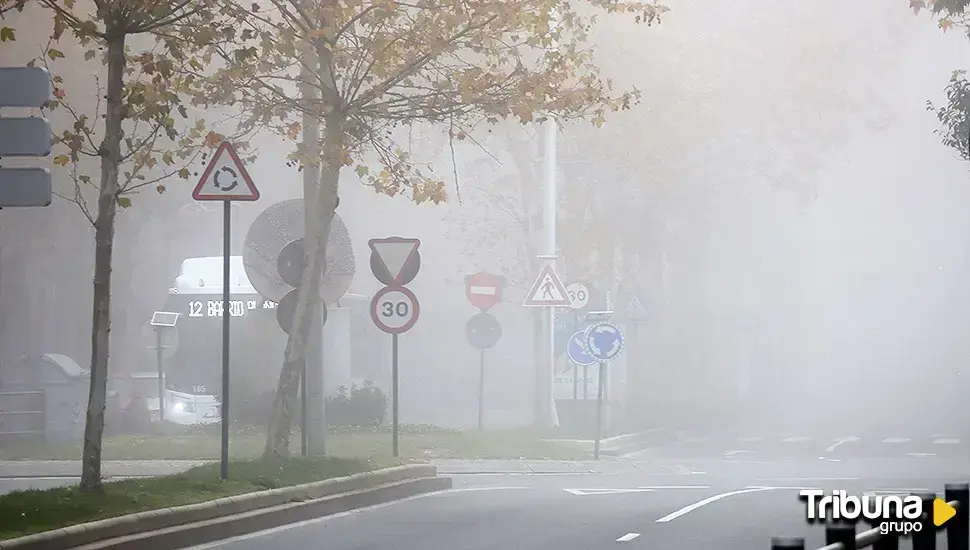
x: 607, y: 465
x: 22, y: 469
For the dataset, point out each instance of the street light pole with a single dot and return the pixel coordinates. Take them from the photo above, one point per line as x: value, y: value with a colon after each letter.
x: 549, y: 211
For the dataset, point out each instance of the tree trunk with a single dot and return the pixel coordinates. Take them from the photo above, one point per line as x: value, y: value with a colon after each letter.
x: 316, y: 237
x: 104, y: 230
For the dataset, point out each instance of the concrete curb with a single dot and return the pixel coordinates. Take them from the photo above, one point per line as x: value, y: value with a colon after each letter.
x: 626, y: 443
x: 178, y: 527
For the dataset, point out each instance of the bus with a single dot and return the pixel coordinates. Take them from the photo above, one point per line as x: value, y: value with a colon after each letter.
x: 193, y: 372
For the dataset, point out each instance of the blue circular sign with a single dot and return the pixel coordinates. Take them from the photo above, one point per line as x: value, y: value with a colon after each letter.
x: 603, y: 341
x: 576, y: 350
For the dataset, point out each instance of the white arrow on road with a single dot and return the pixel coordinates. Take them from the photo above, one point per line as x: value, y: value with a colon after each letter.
x: 841, y: 441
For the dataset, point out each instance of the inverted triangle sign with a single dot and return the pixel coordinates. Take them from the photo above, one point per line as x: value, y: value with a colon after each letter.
x: 394, y: 253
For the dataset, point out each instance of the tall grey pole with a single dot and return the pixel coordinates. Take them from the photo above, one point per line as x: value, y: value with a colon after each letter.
x: 394, y: 395
x: 481, y: 390
x: 226, y: 223
x: 599, y: 409
x: 549, y: 211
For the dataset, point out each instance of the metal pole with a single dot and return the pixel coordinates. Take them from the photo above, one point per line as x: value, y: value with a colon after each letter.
x: 575, y: 366
x: 481, y: 391
x: 161, y: 375
x: 226, y: 222
x: 599, y: 410
x: 585, y: 382
x: 303, y: 436
x: 549, y: 210
x: 394, y: 397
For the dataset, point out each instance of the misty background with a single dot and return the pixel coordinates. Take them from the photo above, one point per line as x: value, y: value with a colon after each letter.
x: 778, y: 197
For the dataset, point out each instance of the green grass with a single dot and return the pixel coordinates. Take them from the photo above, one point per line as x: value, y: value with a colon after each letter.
x: 414, y: 442
x: 26, y: 512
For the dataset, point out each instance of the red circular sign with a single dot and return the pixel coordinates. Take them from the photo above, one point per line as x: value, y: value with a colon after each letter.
x: 394, y: 309
x: 483, y: 290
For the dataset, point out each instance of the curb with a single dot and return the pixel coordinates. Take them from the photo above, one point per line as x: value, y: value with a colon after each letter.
x: 182, y: 526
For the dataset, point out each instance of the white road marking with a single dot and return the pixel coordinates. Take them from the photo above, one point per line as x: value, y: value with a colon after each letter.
x: 896, y: 440
x: 661, y: 487
x: 729, y: 454
x: 793, y: 488
x: 920, y: 455
x: 483, y: 474
x: 588, y: 492
x: 808, y: 478
x: 690, y: 508
x: 795, y: 439
x: 751, y: 439
x: 830, y: 459
x: 841, y: 441
x: 628, y: 537
x: 322, y: 519
x: 946, y: 441
x: 895, y: 492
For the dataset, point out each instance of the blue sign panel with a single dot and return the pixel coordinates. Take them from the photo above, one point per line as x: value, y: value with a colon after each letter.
x: 576, y: 349
x: 603, y: 341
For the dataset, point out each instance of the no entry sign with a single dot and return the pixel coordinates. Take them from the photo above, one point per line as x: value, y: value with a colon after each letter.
x: 484, y: 290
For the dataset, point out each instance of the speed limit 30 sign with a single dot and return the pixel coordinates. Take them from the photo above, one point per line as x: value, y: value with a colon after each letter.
x: 394, y: 309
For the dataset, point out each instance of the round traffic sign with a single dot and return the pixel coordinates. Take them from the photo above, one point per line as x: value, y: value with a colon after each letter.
x: 394, y: 309
x: 577, y: 351
x: 603, y: 341
x: 578, y: 295
x: 483, y: 290
x: 286, y: 311
x: 291, y: 262
x: 483, y: 331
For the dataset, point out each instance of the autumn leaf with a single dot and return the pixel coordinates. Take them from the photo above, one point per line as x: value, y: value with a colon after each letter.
x: 7, y: 34
x: 167, y: 158
x: 945, y: 23
x: 59, y: 93
x: 184, y: 173
x: 160, y: 188
x: 213, y: 139
x: 293, y: 130
x: 89, y: 55
x: 124, y: 202
x: 55, y: 54
x: 61, y: 160
x: 916, y: 5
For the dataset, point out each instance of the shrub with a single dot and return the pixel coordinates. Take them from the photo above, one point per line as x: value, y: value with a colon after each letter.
x: 359, y: 406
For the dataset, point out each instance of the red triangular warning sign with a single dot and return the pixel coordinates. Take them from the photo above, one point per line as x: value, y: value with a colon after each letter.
x: 225, y: 178
x: 547, y: 291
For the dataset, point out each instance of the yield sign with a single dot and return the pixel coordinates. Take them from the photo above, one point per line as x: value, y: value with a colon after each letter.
x: 395, y: 253
x: 547, y: 291
x: 225, y: 178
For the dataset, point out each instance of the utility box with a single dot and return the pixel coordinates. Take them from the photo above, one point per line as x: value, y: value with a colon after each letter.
x: 66, y: 385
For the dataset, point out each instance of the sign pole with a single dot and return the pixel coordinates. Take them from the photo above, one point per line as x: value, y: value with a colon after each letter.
x: 394, y: 395
x: 575, y: 366
x: 303, y: 436
x: 226, y: 224
x: 599, y: 410
x: 161, y: 379
x: 585, y: 382
x: 481, y: 391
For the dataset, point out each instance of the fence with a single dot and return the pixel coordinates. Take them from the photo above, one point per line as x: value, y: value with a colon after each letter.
x: 22, y: 415
x: 843, y: 536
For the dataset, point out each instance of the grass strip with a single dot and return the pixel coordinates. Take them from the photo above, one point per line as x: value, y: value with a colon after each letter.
x: 33, y: 511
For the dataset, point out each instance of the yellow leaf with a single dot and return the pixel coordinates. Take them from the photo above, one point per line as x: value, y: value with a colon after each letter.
x: 167, y: 158
x: 184, y: 173
x: 124, y: 202
x: 54, y: 54
x: 61, y: 160
x: 160, y: 188
x: 7, y: 34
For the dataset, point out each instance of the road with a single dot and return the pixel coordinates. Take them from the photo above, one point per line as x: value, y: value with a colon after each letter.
x: 693, y: 494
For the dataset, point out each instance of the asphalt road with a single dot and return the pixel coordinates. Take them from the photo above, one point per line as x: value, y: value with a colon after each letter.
x: 675, y: 496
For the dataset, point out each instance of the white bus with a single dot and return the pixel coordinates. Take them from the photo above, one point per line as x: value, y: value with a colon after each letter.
x: 193, y: 373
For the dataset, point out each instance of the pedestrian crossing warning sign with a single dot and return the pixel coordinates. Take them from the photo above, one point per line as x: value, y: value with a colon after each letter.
x: 547, y: 291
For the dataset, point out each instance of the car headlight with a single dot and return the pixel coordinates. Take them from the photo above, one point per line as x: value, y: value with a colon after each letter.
x: 178, y: 407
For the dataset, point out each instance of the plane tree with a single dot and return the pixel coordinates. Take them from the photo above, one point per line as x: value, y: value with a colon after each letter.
x: 122, y: 84
x: 365, y: 69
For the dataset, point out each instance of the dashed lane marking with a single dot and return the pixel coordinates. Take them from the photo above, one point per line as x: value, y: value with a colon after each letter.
x: 628, y: 537
x: 946, y: 441
x: 795, y: 439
